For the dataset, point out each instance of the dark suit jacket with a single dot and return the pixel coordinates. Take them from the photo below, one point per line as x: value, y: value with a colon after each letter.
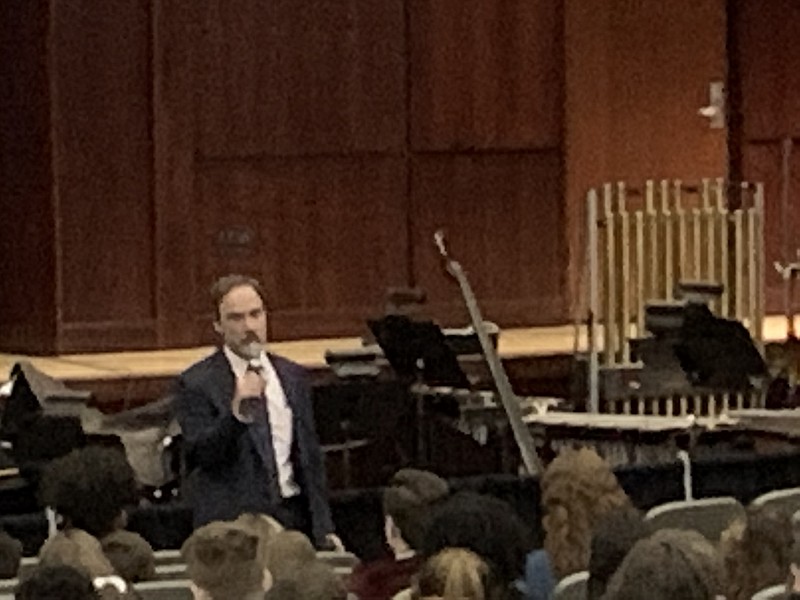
x: 231, y: 466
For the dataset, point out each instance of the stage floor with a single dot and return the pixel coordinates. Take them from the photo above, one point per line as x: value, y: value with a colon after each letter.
x: 513, y: 343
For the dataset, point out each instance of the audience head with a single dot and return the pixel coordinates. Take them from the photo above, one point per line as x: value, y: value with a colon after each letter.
x: 407, y: 503
x: 668, y: 565
x: 455, y: 574
x: 756, y: 551
x: 130, y: 555
x: 10, y: 556
x: 62, y: 582
x: 485, y: 525
x: 288, y: 553
x: 612, y: 539
x: 224, y: 562
x: 263, y: 526
x: 578, y: 488
x: 90, y: 488
x: 316, y: 581
x: 77, y: 549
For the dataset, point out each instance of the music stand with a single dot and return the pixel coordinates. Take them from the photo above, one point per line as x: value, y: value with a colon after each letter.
x: 418, y: 350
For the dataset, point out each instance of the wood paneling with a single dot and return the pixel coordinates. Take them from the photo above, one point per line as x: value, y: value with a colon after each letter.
x: 503, y: 215
x: 104, y: 168
x: 283, y: 77
x: 637, y: 72
x: 766, y: 35
x: 27, y: 239
x: 325, y: 236
x: 485, y: 74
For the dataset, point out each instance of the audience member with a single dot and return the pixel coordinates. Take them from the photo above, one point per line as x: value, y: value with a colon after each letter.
x: 578, y: 490
x: 288, y: 553
x: 57, y: 582
x: 669, y: 565
x: 456, y: 574
x: 130, y: 555
x: 224, y: 562
x: 612, y: 539
x: 10, y: 556
x: 316, y: 581
x: 408, y: 502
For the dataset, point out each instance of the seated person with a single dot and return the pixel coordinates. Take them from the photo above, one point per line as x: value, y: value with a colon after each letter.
x: 407, y: 502
x: 89, y: 490
x: 457, y: 573
x: 612, y: 539
x: 62, y: 582
x: 578, y: 489
x: 224, y: 560
x: 668, y: 565
x: 289, y: 553
x: 316, y: 581
x: 10, y: 556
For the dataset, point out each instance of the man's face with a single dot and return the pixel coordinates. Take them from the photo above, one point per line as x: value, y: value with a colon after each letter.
x: 242, y: 320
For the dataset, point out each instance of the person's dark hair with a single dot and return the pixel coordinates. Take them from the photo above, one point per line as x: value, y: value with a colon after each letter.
x: 408, y: 500
x: 225, y: 284
x: 62, y: 582
x: 10, y: 556
x: 485, y: 525
x: 317, y: 581
x: 668, y: 565
x: 612, y: 539
x: 89, y: 488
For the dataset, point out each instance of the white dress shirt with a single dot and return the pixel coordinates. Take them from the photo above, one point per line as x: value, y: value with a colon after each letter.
x: 280, y: 418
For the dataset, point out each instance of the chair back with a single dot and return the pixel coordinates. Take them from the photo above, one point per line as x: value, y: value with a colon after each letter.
x: 709, y: 516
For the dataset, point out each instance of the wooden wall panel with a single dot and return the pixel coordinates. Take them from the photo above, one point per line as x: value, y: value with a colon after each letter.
x: 504, y: 218
x: 485, y: 74
x: 766, y: 44
x: 104, y: 169
x: 27, y: 238
x: 325, y: 236
x: 763, y: 162
x: 288, y: 77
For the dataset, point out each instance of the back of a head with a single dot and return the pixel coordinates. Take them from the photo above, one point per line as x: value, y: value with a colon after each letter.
x: 317, y: 581
x: 453, y: 574
x: 578, y: 489
x: 485, y: 525
x: 668, y: 565
x: 62, y: 582
x: 130, y: 555
x: 10, y: 556
x: 77, y: 549
x: 89, y: 487
x: 756, y: 551
x: 225, y: 560
x: 289, y: 553
x: 408, y: 498
x: 612, y: 539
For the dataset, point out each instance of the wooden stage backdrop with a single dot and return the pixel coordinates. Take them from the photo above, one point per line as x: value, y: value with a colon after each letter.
x: 148, y: 146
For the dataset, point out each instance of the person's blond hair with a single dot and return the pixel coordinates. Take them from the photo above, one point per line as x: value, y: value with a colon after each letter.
x: 452, y: 574
x: 578, y: 489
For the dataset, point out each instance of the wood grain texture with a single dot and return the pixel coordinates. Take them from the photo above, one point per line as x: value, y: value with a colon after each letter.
x: 103, y: 159
x: 485, y: 74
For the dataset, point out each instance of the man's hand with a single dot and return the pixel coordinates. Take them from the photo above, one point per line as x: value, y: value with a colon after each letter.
x: 335, y: 542
x: 249, y: 389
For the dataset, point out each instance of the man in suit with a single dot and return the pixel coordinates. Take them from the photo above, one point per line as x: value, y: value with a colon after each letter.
x: 248, y: 425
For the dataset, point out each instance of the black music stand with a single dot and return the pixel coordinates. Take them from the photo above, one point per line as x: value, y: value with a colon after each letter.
x: 418, y: 351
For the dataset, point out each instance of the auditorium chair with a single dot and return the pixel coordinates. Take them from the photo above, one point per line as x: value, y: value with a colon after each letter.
x: 786, y: 500
x: 708, y: 516
x: 773, y: 592
x: 572, y: 587
x: 164, y: 590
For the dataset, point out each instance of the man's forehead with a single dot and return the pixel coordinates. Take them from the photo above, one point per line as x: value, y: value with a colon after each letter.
x: 241, y: 299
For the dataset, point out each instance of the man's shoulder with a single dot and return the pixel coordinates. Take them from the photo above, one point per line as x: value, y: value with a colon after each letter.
x: 285, y: 365
x: 204, y: 367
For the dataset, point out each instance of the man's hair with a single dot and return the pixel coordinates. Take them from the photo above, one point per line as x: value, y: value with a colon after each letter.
x: 756, y: 551
x: 317, y: 581
x: 10, y: 556
x: 288, y: 553
x: 77, y: 549
x: 578, y: 489
x: 225, y: 284
x: 612, y: 539
x: 668, y: 565
x: 62, y: 582
x: 224, y: 559
x: 408, y: 500
x: 90, y: 487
